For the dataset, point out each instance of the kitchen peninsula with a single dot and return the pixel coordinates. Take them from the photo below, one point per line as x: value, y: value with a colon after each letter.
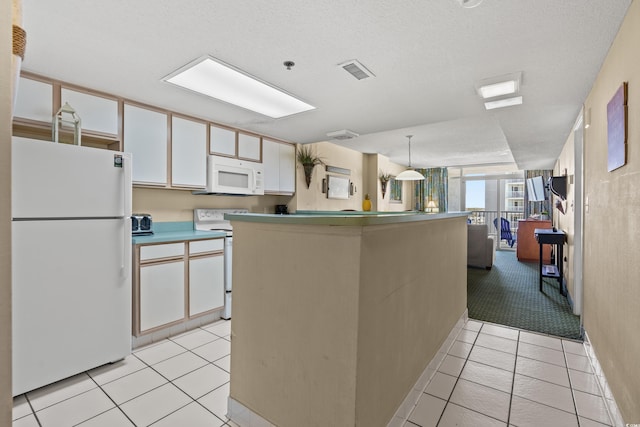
x: 337, y: 316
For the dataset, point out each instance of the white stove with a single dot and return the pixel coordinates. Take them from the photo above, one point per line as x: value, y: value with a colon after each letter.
x: 213, y: 220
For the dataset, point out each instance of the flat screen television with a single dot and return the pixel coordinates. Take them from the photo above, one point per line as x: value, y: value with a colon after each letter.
x: 535, y: 187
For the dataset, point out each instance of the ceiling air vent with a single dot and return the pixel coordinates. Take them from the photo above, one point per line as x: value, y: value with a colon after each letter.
x: 356, y: 69
x: 342, y: 134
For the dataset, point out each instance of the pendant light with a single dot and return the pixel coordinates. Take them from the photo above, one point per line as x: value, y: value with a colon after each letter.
x: 409, y: 174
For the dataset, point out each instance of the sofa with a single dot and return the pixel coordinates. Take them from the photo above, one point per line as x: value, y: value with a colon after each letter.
x: 481, y: 247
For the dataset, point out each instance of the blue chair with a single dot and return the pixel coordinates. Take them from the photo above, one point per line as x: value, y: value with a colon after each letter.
x: 505, y: 231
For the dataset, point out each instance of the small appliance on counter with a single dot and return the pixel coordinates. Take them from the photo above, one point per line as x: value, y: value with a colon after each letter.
x: 282, y: 210
x: 141, y: 224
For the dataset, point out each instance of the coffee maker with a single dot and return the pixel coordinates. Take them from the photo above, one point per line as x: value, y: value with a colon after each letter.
x: 282, y: 210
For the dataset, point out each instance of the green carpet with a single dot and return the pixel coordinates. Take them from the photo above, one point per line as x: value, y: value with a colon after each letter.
x: 508, y: 295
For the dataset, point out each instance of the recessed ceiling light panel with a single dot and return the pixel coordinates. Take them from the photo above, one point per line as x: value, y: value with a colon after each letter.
x: 500, y: 103
x: 221, y: 81
x: 508, y: 84
x: 498, y: 89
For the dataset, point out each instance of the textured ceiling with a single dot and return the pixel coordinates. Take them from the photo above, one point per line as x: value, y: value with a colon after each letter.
x: 427, y: 56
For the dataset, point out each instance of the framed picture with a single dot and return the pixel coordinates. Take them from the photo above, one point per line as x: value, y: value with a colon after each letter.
x: 337, y: 187
x: 617, y: 129
x: 395, y: 191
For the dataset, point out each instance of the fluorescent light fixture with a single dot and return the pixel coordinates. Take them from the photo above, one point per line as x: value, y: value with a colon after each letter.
x: 500, y: 103
x: 498, y: 89
x: 221, y: 81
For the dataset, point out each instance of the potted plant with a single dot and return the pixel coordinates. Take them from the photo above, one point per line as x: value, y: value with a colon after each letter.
x: 308, y: 160
x: 384, y: 180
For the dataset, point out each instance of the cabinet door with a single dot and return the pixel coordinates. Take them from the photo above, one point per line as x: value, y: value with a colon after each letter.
x: 98, y: 114
x: 279, y: 162
x: 249, y: 147
x: 188, y: 153
x: 206, y: 283
x: 271, y: 163
x: 145, y: 136
x: 34, y: 100
x: 287, y: 168
x: 161, y: 294
x: 222, y: 141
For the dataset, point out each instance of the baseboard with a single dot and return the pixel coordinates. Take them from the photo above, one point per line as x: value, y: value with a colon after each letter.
x: 612, y: 407
x: 178, y: 329
x: 243, y: 416
x: 403, y: 412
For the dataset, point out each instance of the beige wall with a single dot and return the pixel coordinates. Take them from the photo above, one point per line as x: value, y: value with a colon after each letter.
x: 313, y: 198
x: 364, y: 175
x: 6, y: 402
x: 383, y: 164
x: 566, y: 165
x: 612, y: 226
x: 178, y: 205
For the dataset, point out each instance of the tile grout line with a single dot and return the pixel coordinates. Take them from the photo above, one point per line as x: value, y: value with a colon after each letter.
x: 573, y: 395
x: 33, y: 411
x: 513, y: 379
x: 109, y: 397
x: 176, y: 386
x: 171, y: 381
x: 459, y: 374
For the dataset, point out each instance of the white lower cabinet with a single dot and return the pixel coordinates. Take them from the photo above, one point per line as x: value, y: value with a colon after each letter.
x: 206, y: 286
x: 161, y: 294
x: 175, y: 282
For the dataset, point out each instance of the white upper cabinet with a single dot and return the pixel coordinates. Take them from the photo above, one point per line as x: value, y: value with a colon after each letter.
x: 279, y: 167
x: 98, y: 114
x: 287, y: 168
x: 249, y: 147
x: 222, y: 141
x: 228, y: 142
x: 188, y: 153
x: 34, y: 100
x: 145, y: 136
x: 271, y: 163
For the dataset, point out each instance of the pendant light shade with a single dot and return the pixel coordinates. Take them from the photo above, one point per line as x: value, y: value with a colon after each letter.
x: 409, y: 174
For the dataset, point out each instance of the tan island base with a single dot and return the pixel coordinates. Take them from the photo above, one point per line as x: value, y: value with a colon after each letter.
x: 335, y: 319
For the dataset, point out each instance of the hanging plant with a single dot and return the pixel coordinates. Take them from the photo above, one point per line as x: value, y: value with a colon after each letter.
x: 308, y: 160
x: 384, y: 180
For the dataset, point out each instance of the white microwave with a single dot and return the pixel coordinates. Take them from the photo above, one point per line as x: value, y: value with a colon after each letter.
x: 233, y: 176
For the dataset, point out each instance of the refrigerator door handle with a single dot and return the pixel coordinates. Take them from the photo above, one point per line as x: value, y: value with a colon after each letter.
x: 125, y: 164
x: 126, y: 251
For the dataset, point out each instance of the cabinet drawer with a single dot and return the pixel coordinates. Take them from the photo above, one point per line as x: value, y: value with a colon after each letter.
x: 200, y: 246
x: 161, y: 251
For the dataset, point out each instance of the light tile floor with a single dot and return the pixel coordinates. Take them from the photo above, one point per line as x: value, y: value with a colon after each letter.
x: 499, y: 376
x: 492, y: 376
x: 180, y: 381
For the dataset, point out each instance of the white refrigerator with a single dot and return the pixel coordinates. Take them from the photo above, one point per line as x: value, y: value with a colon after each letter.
x: 71, y: 260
